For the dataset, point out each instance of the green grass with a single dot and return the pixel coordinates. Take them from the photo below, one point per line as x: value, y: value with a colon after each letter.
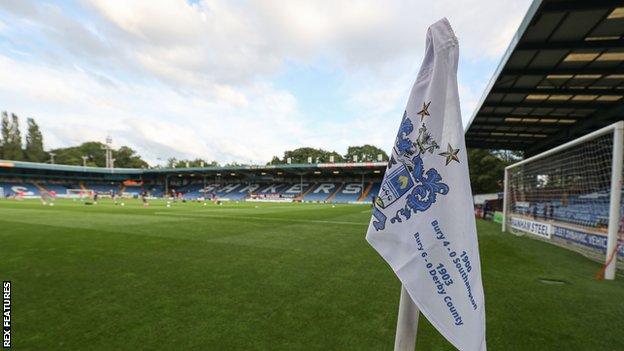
x: 267, y: 277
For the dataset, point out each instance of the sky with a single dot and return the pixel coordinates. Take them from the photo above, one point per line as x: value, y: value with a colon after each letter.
x: 234, y: 81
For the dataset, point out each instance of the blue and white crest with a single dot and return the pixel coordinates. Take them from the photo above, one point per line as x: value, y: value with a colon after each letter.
x: 395, y: 185
x: 406, y: 174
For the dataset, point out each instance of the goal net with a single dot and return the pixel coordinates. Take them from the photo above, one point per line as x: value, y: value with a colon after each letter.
x: 79, y: 193
x: 566, y: 195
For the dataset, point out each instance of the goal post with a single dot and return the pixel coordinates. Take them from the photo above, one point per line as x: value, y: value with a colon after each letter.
x: 571, y: 196
x: 615, y: 202
x: 79, y: 193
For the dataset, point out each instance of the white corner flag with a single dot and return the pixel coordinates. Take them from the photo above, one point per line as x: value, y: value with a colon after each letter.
x: 423, y: 222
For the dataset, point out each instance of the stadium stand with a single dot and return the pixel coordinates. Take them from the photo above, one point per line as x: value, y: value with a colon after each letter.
x: 50, y: 187
x: 590, y: 210
x: 321, y: 192
x: 155, y: 190
x: 233, y: 191
x: 192, y: 191
x: 348, y: 192
x: 296, y: 190
x: 273, y: 189
x: 340, y: 183
x: 20, y: 188
x: 131, y: 190
x: 371, y: 192
x: 100, y: 188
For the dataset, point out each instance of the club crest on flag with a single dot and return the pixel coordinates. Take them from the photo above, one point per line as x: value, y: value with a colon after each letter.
x: 406, y: 173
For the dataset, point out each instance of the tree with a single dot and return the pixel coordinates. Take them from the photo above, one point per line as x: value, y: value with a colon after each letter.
x: 172, y: 162
x: 235, y: 164
x: 4, y: 133
x: 34, y: 143
x: 73, y: 155
x: 124, y: 157
x: 12, y: 145
x: 301, y: 155
x: 337, y: 157
x: 198, y: 162
x: 365, y: 153
x: 487, y: 170
x: 275, y: 161
x: 207, y: 164
x: 509, y: 156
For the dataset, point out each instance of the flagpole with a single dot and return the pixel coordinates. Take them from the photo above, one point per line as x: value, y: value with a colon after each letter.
x: 407, y: 323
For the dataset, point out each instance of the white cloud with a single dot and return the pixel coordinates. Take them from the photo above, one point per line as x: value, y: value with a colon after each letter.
x: 73, y: 106
x: 171, y: 78
x: 230, y: 43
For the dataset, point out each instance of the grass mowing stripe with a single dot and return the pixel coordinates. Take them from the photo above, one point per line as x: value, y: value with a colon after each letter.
x: 281, y: 282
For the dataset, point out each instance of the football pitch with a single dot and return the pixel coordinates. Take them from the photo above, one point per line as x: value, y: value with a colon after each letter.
x: 259, y: 276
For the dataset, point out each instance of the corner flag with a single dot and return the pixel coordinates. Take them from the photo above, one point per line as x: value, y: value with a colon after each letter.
x: 423, y: 223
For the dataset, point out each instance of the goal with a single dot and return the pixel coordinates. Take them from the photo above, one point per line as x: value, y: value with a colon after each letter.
x: 79, y: 193
x: 571, y: 196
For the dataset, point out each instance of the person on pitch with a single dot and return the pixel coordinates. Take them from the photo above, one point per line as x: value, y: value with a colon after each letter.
x: 144, y: 198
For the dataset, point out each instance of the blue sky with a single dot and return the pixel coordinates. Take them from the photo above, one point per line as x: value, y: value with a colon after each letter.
x: 233, y: 80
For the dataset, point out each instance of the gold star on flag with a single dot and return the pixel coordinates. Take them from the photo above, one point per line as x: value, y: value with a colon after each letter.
x: 423, y: 113
x: 450, y: 154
